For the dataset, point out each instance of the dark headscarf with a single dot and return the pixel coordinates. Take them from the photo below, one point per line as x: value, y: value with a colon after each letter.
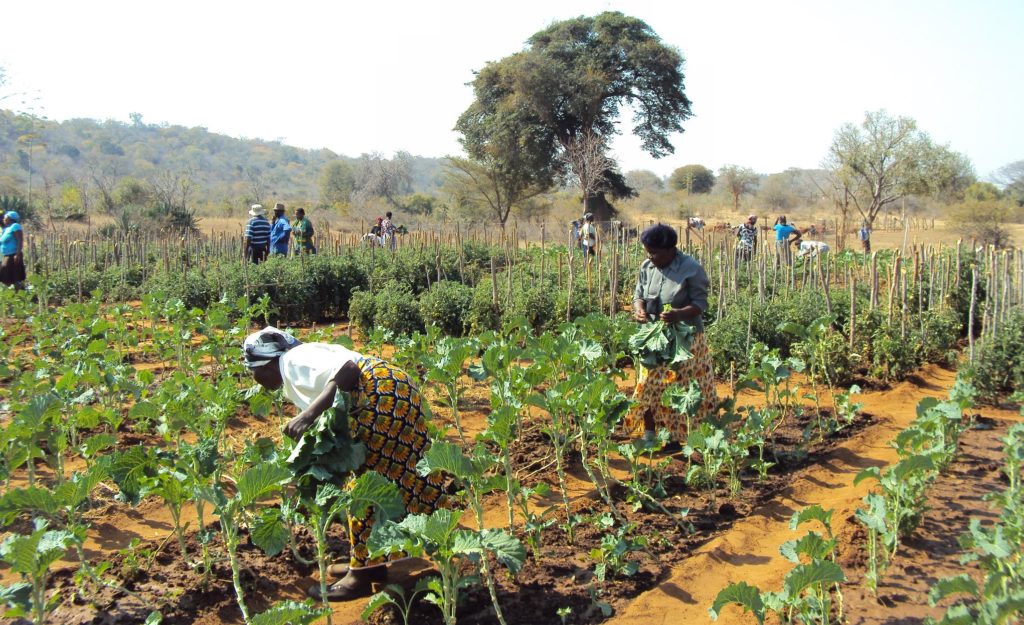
x: 659, y: 237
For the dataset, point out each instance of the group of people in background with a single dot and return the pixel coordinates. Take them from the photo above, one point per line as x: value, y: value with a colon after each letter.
x: 787, y: 237
x: 382, y: 233
x: 264, y: 237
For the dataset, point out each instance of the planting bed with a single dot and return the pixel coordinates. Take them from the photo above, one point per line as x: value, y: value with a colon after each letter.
x: 564, y: 577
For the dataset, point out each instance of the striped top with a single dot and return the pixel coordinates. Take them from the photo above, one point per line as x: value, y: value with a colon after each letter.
x: 258, y: 231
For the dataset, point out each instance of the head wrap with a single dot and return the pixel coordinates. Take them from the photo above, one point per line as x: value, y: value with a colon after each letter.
x: 263, y: 346
x: 13, y: 216
x: 659, y: 237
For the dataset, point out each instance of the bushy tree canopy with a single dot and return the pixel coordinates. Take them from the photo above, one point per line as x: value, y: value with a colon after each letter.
x: 570, y: 84
x: 886, y: 158
x: 737, y: 181
x: 692, y: 178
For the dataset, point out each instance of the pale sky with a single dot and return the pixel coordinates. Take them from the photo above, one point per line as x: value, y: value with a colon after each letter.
x: 770, y: 81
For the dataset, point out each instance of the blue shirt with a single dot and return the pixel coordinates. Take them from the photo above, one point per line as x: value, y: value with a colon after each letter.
x: 258, y: 231
x: 8, y: 244
x: 279, y: 234
x: 782, y: 231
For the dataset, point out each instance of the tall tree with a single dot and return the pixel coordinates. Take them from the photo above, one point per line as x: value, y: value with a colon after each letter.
x: 692, y: 178
x: 337, y: 180
x: 645, y: 180
x: 1011, y: 178
x: 888, y: 158
x: 737, y: 181
x: 386, y: 178
x: 574, y: 77
x: 485, y: 185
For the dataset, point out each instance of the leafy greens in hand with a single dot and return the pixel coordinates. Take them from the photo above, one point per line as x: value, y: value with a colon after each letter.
x: 326, y: 452
x: 661, y: 343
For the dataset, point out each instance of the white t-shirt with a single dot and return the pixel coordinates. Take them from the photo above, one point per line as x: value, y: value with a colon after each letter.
x: 588, y: 234
x: 306, y: 369
x: 812, y: 248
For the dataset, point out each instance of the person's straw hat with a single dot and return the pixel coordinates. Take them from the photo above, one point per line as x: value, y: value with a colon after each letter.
x: 279, y: 207
x: 256, y: 209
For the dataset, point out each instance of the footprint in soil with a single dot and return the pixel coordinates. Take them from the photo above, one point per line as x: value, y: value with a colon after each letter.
x: 727, y: 511
x: 890, y: 601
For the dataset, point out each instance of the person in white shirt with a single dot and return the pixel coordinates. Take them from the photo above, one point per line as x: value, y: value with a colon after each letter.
x: 387, y: 417
x: 588, y: 236
x: 810, y: 249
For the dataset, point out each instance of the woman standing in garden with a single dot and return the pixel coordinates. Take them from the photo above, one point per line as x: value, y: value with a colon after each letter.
x: 12, y: 242
x: 668, y: 276
x: 387, y: 417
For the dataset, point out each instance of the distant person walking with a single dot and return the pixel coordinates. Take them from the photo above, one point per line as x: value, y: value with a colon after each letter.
x: 588, y: 237
x: 280, y: 231
x: 256, y: 244
x: 865, y: 237
x: 302, y: 231
x: 575, y: 235
x: 12, y: 244
x: 746, y: 239
x: 387, y: 230
x: 783, y: 236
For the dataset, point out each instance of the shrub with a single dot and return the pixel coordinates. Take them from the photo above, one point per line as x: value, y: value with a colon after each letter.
x: 938, y: 340
x: 361, y: 310
x: 536, y: 303
x: 484, y: 314
x: 998, y: 369
x: 447, y: 304
x: 397, y: 309
x: 893, y: 356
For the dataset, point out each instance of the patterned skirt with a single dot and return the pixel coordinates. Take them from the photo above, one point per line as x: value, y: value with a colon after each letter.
x: 389, y: 420
x: 651, y: 384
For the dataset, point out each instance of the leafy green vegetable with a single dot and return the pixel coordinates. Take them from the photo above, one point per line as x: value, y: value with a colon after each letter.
x: 326, y: 452
x: 660, y: 343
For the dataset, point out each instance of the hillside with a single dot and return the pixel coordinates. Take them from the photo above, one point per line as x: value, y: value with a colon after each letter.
x: 79, y: 161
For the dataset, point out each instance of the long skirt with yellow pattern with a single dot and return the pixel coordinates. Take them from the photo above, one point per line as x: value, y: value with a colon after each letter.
x: 389, y: 420
x: 651, y: 384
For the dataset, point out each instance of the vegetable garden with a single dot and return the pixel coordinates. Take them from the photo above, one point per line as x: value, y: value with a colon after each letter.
x: 146, y: 479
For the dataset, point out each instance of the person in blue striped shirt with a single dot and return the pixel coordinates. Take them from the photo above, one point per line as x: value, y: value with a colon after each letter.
x: 257, y: 236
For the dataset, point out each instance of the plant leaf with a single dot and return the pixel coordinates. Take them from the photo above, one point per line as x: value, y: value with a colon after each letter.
x: 268, y: 532
x: 747, y: 596
x: 290, y: 613
x: 260, y: 481
x: 804, y: 575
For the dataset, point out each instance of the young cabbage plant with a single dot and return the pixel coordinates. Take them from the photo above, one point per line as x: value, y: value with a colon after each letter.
x: 369, y: 491
x: 475, y: 477
x: 395, y: 595
x: 751, y: 433
x: 611, y: 554
x: 806, y: 595
x: 719, y: 453
x: 31, y: 556
x: 685, y: 401
x: 997, y: 550
x: 445, y: 365
x: 452, y: 549
x: 904, y: 487
x: 255, y: 484
x: 561, y: 431
x: 599, y: 408
x: 63, y: 508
